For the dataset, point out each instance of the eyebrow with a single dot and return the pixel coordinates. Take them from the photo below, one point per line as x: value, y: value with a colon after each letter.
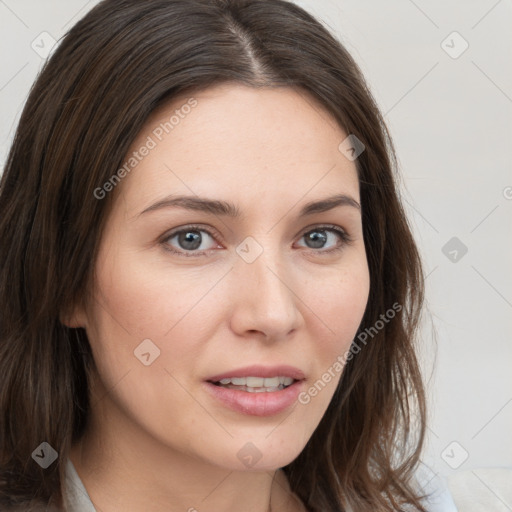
x: 227, y: 209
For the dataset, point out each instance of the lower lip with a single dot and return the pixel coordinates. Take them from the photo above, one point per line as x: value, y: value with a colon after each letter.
x: 266, y: 403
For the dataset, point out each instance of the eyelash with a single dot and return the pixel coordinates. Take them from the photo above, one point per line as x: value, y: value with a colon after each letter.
x: 345, y: 237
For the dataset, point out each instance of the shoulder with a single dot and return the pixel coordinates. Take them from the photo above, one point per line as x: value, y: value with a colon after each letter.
x: 478, y: 489
x: 76, y: 498
x: 435, y: 487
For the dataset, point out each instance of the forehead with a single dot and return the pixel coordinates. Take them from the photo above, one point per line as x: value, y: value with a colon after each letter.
x: 232, y: 140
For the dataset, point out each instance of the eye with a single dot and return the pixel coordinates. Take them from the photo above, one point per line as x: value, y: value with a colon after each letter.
x: 192, y: 241
x: 318, y: 238
x: 189, y: 240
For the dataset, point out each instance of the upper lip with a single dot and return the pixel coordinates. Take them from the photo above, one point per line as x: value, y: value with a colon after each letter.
x: 260, y: 371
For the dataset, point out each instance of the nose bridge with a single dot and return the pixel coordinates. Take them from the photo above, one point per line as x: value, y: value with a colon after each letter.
x: 261, y: 267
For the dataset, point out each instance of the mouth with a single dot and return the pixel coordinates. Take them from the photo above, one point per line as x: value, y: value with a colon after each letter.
x: 257, y: 390
x: 256, y: 384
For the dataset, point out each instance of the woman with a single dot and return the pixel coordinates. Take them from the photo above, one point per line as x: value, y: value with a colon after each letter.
x: 210, y: 292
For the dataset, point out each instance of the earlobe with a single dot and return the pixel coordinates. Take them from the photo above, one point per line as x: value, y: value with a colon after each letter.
x: 72, y: 318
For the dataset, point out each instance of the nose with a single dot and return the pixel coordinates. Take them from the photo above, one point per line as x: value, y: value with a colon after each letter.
x: 264, y: 297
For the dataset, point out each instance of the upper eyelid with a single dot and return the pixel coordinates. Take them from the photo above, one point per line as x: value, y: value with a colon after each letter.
x: 192, y: 227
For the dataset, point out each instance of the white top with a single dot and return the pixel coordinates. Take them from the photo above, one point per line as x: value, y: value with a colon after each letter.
x: 440, y: 499
x: 482, y: 489
x: 76, y: 498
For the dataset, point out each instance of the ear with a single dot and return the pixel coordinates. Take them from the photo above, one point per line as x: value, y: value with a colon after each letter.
x: 73, y: 317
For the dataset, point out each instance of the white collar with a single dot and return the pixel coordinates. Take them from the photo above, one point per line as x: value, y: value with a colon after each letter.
x: 76, y: 498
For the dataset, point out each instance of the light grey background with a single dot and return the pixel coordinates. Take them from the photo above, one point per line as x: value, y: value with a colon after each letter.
x: 450, y: 117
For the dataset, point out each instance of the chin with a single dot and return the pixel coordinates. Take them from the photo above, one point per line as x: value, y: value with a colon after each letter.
x: 252, y: 453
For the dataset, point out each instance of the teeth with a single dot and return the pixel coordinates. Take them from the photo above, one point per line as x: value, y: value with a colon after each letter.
x: 256, y: 384
x: 253, y: 390
x: 271, y: 382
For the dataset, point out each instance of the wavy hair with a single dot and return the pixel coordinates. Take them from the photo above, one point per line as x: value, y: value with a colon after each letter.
x: 118, y: 64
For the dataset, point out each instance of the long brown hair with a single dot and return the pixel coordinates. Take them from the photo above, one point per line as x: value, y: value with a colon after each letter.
x: 114, y: 67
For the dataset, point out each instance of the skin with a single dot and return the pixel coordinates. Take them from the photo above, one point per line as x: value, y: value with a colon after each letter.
x: 156, y: 441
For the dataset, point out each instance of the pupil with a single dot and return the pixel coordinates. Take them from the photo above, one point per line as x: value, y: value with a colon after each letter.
x: 190, y: 240
x: 318, y: 238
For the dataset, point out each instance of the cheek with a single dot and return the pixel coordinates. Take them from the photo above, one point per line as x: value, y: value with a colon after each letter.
x: 339, y: 304
x: 133, y: 305
x: 136, y: 303
x: 337, y: 310
x: 146, y: 298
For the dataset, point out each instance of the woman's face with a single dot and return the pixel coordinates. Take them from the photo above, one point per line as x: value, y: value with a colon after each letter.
x: 263, y: 288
